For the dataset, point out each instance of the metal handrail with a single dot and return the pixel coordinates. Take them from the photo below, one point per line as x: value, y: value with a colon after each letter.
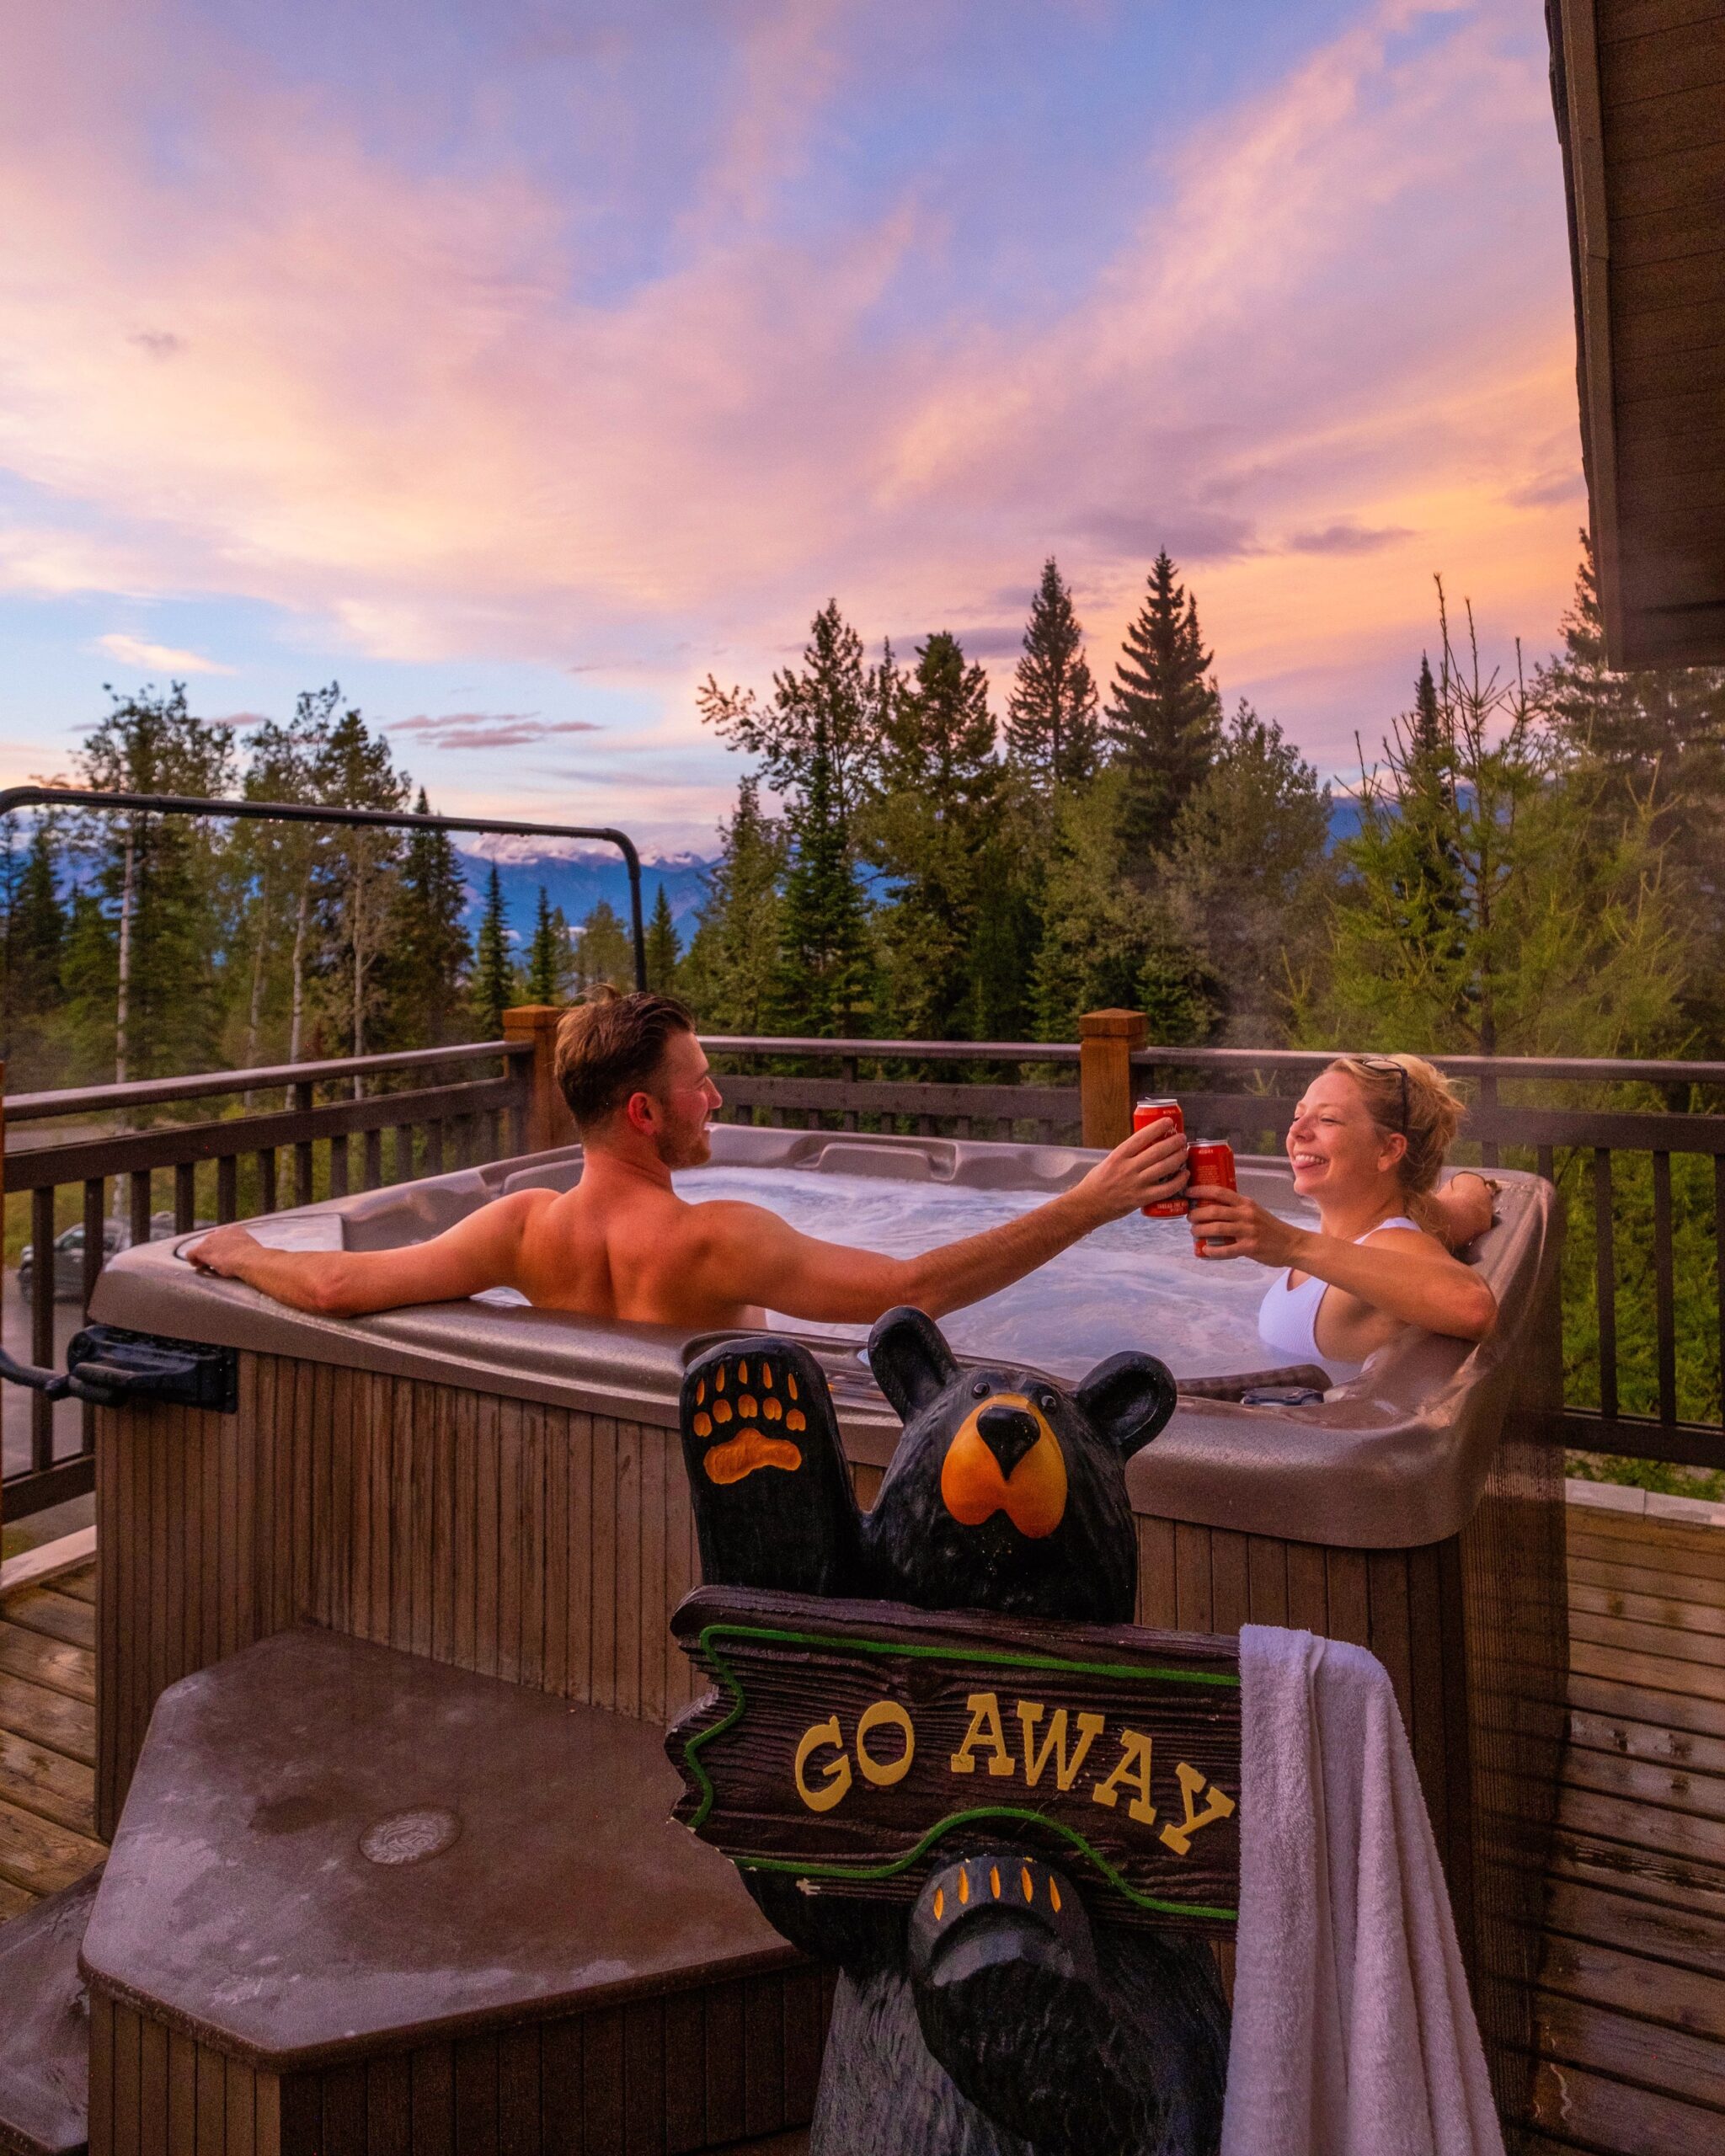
x: 311, y: 812
x: 146, y: 1092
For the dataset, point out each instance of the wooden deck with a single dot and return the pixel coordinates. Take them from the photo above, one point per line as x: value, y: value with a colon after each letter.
x: 47, y: 1737
x: 1632, y: 2005
x: 1633, y: 2008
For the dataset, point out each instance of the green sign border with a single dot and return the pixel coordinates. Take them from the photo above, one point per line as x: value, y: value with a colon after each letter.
x: 1001, y: 1658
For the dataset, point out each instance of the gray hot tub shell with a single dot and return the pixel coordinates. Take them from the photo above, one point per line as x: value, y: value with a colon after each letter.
x: 1398, y: 1458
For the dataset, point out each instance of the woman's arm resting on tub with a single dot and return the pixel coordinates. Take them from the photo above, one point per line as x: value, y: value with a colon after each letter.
x: 1403, y: 1273
x: 478, y: 1252
x: 755, y: 1256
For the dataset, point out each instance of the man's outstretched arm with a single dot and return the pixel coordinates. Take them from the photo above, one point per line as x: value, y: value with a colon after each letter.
x: 478, y: 1252
x: 754, y: 1256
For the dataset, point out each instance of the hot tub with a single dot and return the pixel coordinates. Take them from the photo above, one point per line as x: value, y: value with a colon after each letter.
x: 502, y: 1488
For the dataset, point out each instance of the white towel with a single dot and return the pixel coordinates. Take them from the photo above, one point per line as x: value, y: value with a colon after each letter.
x: 1354, y: 2032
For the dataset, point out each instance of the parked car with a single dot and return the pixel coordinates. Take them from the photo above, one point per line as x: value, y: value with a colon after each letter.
x: 68, y: 1249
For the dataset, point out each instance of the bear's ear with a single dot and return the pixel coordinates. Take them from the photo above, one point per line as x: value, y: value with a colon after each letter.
x: 912, y: 1363
x: 1129, y: 1398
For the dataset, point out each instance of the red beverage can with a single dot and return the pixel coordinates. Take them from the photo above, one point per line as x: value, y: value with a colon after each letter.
x: 1143, y: 1114
x: 1210, y: 1161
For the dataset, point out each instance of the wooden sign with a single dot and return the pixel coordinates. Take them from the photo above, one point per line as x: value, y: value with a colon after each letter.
x: 847, y: 1740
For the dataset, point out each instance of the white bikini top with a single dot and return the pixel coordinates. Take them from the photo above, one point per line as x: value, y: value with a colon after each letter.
x: 1287, y: 1318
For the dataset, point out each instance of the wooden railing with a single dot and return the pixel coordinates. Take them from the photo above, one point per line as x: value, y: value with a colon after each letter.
x: 229, y: 1168
x: 884, y: 1085
x: 1645, y: 1182
x: 1644, y: 1382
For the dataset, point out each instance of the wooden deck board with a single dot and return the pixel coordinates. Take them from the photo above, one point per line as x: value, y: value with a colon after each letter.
x: 1632, y: 2005
x: 47, y: 1738
x: 1636, y: 1579
x: 1630, y: 1737
x: 40, y: 1856
x: 1690, y: 1939
x: 1644, y: 1782
x: 37, y: 1779
x: 58, y: 1616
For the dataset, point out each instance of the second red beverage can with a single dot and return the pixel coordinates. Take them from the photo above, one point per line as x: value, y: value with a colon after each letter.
x: 1148, y: 1112
x: 1210, y: 1160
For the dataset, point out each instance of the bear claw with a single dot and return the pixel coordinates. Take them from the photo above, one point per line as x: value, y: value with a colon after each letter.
x: 995, y: 1906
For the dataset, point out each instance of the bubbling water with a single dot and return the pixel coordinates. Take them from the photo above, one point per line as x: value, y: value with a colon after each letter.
x: 1134, y: 1284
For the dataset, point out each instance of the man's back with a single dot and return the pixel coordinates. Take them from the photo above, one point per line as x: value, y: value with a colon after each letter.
x: 621, y: 1245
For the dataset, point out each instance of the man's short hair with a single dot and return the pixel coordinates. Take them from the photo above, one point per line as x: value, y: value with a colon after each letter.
x: 609, y: 1046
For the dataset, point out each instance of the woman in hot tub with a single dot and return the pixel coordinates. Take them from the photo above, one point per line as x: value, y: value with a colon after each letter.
x: 1366, y: 1144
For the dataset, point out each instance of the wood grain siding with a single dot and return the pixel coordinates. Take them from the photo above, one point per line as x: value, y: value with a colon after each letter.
x: 666, y: 2076
x: 1644, y: 114
x: 539, y: 1545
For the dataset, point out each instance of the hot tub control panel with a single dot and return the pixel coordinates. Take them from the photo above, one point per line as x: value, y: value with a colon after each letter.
x: 109, y: 1366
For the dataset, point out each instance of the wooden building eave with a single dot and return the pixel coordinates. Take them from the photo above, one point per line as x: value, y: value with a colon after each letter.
x: 1638, y: 89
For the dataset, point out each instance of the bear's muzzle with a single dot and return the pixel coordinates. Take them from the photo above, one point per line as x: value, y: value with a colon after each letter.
x: 1006, y: 1458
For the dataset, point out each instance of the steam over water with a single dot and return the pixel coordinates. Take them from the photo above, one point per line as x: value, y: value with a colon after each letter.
x: 1134, y: 1284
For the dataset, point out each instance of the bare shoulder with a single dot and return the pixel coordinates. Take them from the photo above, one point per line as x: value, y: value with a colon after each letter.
x: 1408, y: 1239
x: 717, y: 1222
x: 511, y: 1215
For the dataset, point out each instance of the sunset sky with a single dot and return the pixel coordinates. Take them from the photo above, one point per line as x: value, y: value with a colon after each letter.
x: 519, y: 364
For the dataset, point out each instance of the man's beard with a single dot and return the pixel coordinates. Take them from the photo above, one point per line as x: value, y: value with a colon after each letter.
x: 691, y: 1149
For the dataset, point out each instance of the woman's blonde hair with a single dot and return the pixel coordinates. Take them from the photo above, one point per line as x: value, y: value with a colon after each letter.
x: 1406, y: 1096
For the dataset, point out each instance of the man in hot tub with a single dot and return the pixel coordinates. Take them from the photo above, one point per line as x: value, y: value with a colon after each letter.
x: 623, y: 1244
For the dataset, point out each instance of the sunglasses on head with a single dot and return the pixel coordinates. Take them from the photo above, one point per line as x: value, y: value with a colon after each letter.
x: 1383, y: 1065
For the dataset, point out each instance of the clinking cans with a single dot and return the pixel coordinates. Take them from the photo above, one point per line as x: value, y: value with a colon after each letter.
x: 1147, y: 1112
x: 1210, y: 1162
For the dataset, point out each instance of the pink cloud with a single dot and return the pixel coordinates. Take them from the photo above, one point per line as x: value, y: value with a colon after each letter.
x: 368, y: 395
x: 478, y: 729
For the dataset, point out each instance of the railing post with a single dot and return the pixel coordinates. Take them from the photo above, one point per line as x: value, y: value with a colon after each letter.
x: 550, y: 1122
x: 1106, y: 1040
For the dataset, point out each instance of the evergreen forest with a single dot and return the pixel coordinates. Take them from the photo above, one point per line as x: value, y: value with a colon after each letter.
x: 1529, y: 864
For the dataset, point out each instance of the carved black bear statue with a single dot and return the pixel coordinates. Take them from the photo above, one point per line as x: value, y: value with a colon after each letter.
x: 977, y: 2026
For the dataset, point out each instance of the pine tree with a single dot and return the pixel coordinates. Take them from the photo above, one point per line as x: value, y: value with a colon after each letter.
x: 1164, y: 720
x: 357, y: 873
x: 1051, y: 724
x: 928, y: 827
x: 665, y: 948
x: 278, y: 863
x: 604, y: 950
x: 550, y: 961
x: 817, y: 740
x: 834, y: 708
x: 823, y: 937
x: 424, y: 969
x: 1004, y: 935
x: 1249, y: 877
x: 493, y: 986
x: 34, y: 955
x: 733, y: 964
x: 1565, y: 941
x: 1657, y: 737
x: 1106, y: 942
x: 1429, y: 873
x: 158, y: 880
